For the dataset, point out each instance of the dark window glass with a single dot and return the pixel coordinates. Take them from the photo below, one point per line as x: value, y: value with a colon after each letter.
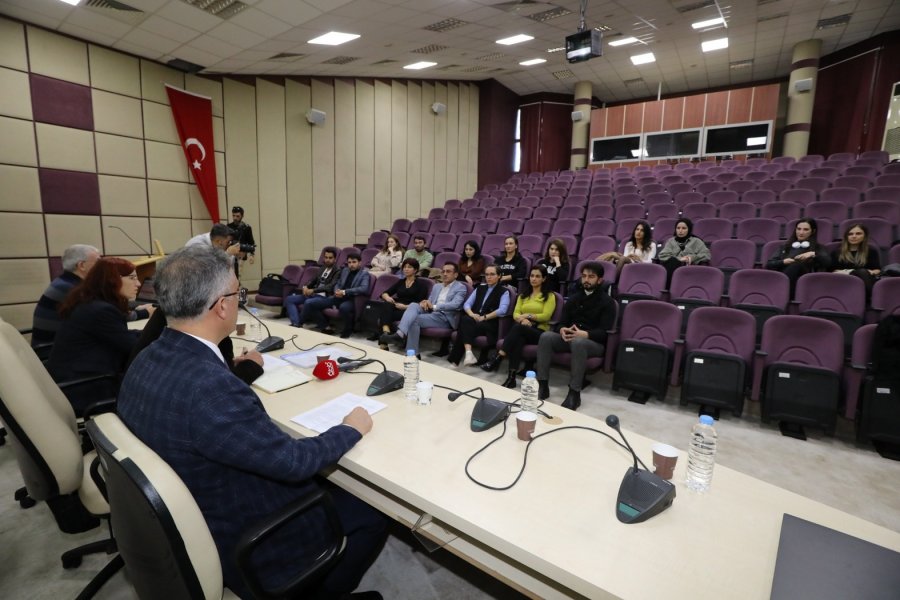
x: 625, y: 148
x: 674, y: 143
x: 738, y: 139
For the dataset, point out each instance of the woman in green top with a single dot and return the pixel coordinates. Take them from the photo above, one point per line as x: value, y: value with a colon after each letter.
x: 532, y: 317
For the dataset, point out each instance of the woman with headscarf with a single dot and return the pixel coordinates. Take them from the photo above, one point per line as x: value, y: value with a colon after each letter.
x: 682, y: 249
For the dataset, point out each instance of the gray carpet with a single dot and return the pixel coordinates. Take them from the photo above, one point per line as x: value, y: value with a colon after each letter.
x: 834, y: 471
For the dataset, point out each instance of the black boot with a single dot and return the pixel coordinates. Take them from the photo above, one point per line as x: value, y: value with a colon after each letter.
x: 493, y: 363
x: 573, y: 400
x: 510, y: 380
x: 543, y: 389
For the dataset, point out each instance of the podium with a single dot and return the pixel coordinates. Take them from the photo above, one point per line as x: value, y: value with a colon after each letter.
x: 146, y: 267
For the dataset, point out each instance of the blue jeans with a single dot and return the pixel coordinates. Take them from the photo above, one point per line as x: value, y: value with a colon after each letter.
x: 293, y: 304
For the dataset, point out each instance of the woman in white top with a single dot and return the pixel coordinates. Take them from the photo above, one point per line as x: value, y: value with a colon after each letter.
x: 640, y: 248
x: 388, y: 259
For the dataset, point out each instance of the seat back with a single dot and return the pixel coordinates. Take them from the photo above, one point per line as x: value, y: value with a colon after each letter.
x: 642, y: 279
x: 382, y: 284
x: 160, y: 531
x: 732, y: 254
x: 443, y: 258
x: 592, y: 247
x: 443, y: 241
x: 831, y: 292
x: 803, y: 340
x: 759, y: 287
x: 698, y: 283
x: 721, y: 330
x: 886, y: 296
x: 712, y: 229
x: 651, y: 322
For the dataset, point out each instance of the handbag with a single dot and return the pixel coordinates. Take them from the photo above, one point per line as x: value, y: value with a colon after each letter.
x: 272, y: 285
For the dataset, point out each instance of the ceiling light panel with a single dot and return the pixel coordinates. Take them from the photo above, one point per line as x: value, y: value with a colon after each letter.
x: 643, y: 59
x: 334, y: 38
x: 710, y: 45
x: 516, y: 39
x: 708, y: 23
x: 424, y: 64
x: 532, y: 62
x: 622, y: 41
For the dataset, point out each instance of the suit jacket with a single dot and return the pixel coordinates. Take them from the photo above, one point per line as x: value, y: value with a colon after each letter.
x: 209, y: 426
x: 358, y: 281
x: 324, y: 284
x: 452, y: 305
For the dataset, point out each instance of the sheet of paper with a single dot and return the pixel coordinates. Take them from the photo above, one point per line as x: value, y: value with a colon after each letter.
x: 331, y: 413
x: 281, y: 378
x: 273, y: 362
x: 307, y: 359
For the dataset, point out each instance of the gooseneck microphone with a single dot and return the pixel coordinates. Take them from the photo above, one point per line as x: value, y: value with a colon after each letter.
x: 272, y: 342
x: 133, y: 241
x: 486, y: 413
x: 452, y: 396
x: 642, y: 494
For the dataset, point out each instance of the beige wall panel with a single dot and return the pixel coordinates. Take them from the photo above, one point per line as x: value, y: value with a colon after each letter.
x: 199, y: 211
x: 398, y: 151
x: 18, y: 142
x: 154, y: 76
x: 114, y: 71
x: 165, y: 161
x: 12, y: 45
x: 23, y: 279
x: 240, y: 173
x: 15, y: 101
x: 117, y: 155
x: 472, y: 167
x: 21, y: 189
x: 322, y: 98
x: 414, y: 204
x: 383, y: 143
x: 440, y: 146
x: 298, y: 144
x: 57, y: 56
x: 268, y: 217
x: 221, y: 174
x: 452, y: 116
x: 218, y: 133
x: 23, y: 235
x: 365, y: 160
x: 345, y: 162
x: 159, y: 124
x: 117, y: 244
x: 199, y: 226
x: 65, y: 230
x: 426, y: 185
x: 65, y: 148
x: 115, y: 113
x: 171, y: 233
x: 169, y: 199
x: 206, y: 87
x: 123, y: 195
x: 18, y: 315
x: 462, y: 145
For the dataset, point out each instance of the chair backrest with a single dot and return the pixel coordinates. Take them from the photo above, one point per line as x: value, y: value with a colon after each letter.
x: 881, y: 231
x: 439, y: 225
x: 758, y: 231
x: 878, y: 209
x: 836, y: 212
x: 732, y: 254
x: 366, y: 256
x: 625, y: 227
x: 698, y: 210
x: 781, y: 211
x: 531, y: 245
x: 377, y: 239
x: 420, y: 225
x: 720, y: 197
x: 493, y: 244
x: 521, y: 212
x: 382, y: 284
x: 566, y: 227
x: 800, y: 196
x: 572, y: 212
x: 651, y: 322
x: 459, y: 248
x: 508, y: 226
x: 592, y: 247
x: 803, y: 340
x: 711, y: 229
x: 460, y: 226
x: 160, y: 532
x: 891, y: 193
x: 697, y: 282
x: 443, y: 241
x: 646, y: 279
x: 737, y: 211
x: 629, y: 211
x: 831, y: 292
x: 759, y: 287
x: 721, y: 330
x: 886, y: 296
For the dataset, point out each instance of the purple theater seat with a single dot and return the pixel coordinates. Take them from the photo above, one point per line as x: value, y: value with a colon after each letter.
x: 531, y: 245
x: 571, y: 212
x: 476, y: 214
x: 461, y: 226
x: 708, y: 187
x: 684, y: 198
x: 420, y: 225
x: 847, y: 196
x: 698, y: 210
x: 489, y: 203
x: 836, y: 212
x: 493, y: 244
x: 883, y: 209
x: 679, y: 188
x: 885, y: 298
x: 459, y: 248
x: 509, y: 226
x: 442, y: 242
x: 498, y: 213
x: 402, y: 236
x: 890, y: 193
x: 592, y: 247
x: 521, y: 212
x: 640, y: 281
x: 457, y: 213
x: 782, y: 212
x: 815, y: 184
x: 832, y: 296
x: 341, y: 259
x: 443, y: 258
x: 712, y: 229
x: 759, y: 197
x: 600, y: 211
x: 452, y: 203
x: 662, y: 211
x: 629, y: 211
x: 644, y: 348
x: 598, y: 226
x: 377, y: 239
x: 889, y: 180
x: 566, y: 227
x: 603, y: 198
x: 855, y: 372
x: 657, y: 198
x: 575, y: 201
x: 881, y: 231
x: 439, y: 226
x: 291, y: 276
x: 570, y: 241
x: 625, y: 227
x: 740, y: 187
x: 366, y: 256
x: 857, y: 182
x: 400, y: 225
x: 782, y: 162
x: 737, y: 211
x: 538, y: 225
x: 694, y: 286
x: 757, y: 177
x: 732, y: 255
x: 530, y: 201
x: 443, y: 333
x: 775, y: 185
x: 437, y: 213
x: 628, y: 198
x: 829, y: 173
x: 763, y: 294
x: 801, y: 196
x: 721, y: 197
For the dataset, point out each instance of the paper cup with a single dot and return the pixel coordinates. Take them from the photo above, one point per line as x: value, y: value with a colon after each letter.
x: 664, y: 459
x: 322, y: 357
x: 525, y: 422
x: 424, y: 390
x: 241, y: 328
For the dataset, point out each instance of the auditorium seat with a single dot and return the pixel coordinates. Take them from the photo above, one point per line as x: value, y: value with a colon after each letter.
x: 441, y: 242
x: 694, y: 286
x: 712, y: 229
x: 883, y: 209
x: 802, y: 196
x: 832, y: 296
x: 537, y: 225
x: 762, y: 293
x: 737, y: 211
x: 644, y: 347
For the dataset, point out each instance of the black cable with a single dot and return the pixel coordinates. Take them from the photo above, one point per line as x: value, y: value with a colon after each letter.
x: 335, y: 343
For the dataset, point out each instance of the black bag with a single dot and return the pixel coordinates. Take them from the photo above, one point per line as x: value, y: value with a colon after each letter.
x: 272, y: 285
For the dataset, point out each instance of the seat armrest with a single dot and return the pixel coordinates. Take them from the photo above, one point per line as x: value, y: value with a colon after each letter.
x: 675, y: 378
x: 99, y: 407
x: 64, y: 385
x: 256, y: 536
x: 759, y: 361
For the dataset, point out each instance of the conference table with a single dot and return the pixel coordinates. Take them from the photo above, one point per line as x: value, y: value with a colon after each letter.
x: 555, y: 533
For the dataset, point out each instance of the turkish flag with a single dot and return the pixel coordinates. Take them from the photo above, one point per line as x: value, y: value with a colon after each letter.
x: 193, y: 118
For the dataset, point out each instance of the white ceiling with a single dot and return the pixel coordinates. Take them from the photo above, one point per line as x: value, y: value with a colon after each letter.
x: 392, y: 31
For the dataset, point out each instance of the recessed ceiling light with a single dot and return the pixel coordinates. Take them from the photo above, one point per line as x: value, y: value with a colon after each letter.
x: 708, y: 23
x: 711, y: 45
x: 557, y: 49
x: 642, y: 59
x: 334, y: 38
x: 623, y: 41
x: 72, y: 2
x: 516, y: 39
x: 533, y: 61
x: 420, y: 65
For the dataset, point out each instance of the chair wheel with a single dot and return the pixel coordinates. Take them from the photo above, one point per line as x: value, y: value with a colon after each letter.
x: 27, y: 502
x: 71, y: 562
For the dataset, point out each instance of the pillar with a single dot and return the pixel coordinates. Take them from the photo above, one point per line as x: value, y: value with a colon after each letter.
x: 581, y: 128
x: 804, y: 69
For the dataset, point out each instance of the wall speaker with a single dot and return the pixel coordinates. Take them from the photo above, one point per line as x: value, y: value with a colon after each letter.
x: 438, y: 108
x: 315, y: 117
x: 803, y: 85
x: 577, y: 115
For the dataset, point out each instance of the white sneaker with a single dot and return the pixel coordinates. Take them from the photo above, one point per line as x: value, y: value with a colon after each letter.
x: 470, y: 359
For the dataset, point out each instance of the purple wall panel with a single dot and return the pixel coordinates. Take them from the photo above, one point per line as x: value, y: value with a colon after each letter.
x: 61, y: 103
x: 69, y: 192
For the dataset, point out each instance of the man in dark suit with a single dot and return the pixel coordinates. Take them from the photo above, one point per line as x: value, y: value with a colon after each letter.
x: 353, y: 281
x: 180, y: 398
x: 321, y: 285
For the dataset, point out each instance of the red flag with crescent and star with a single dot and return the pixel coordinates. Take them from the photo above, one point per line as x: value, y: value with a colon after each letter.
x: 193, y: 119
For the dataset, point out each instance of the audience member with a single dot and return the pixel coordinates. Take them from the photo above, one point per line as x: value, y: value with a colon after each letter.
x: 94, y: 338
x: 471, y: 265
x: 482, y: 311
x: 556, y: 262
x: 683, y: 248
x: 218, y: 237
x: 440, y: 309
x: 511, y: 265
x: 181, y: 400
x: 77, y: 261
x: 639, y: 248
x: 352, y: 281
x: 397, y: 298
x: 321, y: 285
x: 532, y: 318
x: 586, y: 318
x: 855, y: 257
x: 388, y: 258
x: 419, y: 253
x: 800, y: 254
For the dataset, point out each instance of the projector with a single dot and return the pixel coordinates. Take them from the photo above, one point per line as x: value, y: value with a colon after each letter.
x: 584, y: 45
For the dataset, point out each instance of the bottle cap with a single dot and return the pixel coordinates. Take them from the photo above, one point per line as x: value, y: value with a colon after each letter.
x: 706, y: 419
x: 410, y: 352
x: 530, y: 374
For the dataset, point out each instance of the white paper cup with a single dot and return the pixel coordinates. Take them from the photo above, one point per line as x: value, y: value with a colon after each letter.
x: 424, y: 390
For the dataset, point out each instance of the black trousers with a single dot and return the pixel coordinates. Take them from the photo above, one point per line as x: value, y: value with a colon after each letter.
x: 670, y: 264
x: 516, y: 340
x: 387, y: 314
x: 468, y: 330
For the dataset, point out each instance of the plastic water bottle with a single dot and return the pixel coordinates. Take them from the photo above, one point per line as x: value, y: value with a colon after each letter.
x: 530, y: 400
x: 701, y: 455
x: 254, y: 329
x: 411, y: 376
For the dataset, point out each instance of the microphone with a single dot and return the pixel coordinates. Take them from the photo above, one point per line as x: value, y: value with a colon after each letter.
x: 350, y: 365
x: 327, y: 369
x: 486, y: 413
x: 453, y: 396
x: 642, y: 494
x: 272, y: 342
x: 133, y: 241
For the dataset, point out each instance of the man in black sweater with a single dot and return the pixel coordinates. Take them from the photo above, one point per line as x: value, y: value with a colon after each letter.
x: 586, y: 318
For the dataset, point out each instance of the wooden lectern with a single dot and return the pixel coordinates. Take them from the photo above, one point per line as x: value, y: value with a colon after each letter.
x: 146, y: 267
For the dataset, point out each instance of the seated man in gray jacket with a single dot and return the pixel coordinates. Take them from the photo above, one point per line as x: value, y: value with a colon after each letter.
x: 441, y: 309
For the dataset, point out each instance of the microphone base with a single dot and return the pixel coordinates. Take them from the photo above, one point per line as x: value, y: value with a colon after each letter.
x: 643, y: 495
x: 488, y: 412
x: 270, y: 343
x: 388, y: 381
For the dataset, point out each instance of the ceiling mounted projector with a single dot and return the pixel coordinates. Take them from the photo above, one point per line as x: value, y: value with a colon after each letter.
x: 584, y: 45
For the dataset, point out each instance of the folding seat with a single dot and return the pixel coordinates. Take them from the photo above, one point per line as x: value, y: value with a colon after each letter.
x: 816, y: 184
x: 663, y: 227
x: 530, y: 202
x: 575, y: 200
x: 600, y: 211
x: 682, y: 166
x: 440, y: 259
x: 571, y: 212
x: 629, y: 211
x: 835, y: 212
x: 599, y: 226
x: 697, y: 178
x: 864, y: 171
x: 849, y: 197
x: 781, y: 211
x: 797, y: 372
x: 775, y: 185
x: 464, y: 238
x: 771, y: 168
x: 439, y: 226
x: 498, y: 213
x: 512, y: 198
x: 640, y: 281
x: 708, y: 187
x: 437, y: 213
x: 885, y: 298
x: 400, y: 225
x: 891, y: 193
x: 894, y: 254
x: 762, y: 293
x: 629, y: 198
x: 493, y: 244
x: 341, y: 259
x: 732, y: 255
x: 721, y: 197
x: 736, y: 211
x: 857, y: 182
x: 492, y: 187
x: 740, y: 186
x: 571, y: 242
x: 759, y: 197
x: 800, y: 196
x: 684, y: 198
x: 815, y: 159
x: 458, y: 213
x: 402, y: 236
x: 566, y: 227
x: 659, y: 211
x: 377, y: 239
x: 652, y: 188
x: 476, y: 214
x: 856, y: 371
x: 538, y: 225
x: 452, y: 203
x: 679, y: 188
x: 554, y: 201
x: 803, y: 167
x: 485, y: 226
x: 890, y: 180
x: 755, y: 162
x: 478, y: 197
x: 879, y: 415
x: 509, y: 203
x: 538, y: 193
x: 510, y: 226
x: 832, y: 296
x: 657, y: 198
x: 592, y: 247
x: 694, y: 286
x: 844, y: 157
x: 827, y: 173
x: 366, y: 256
x: 742, y: 169
x: 889, y: 169
x: 601, y: 199
x: 441, y: 242
x: 881, y: 231
x: 698, y: 210
x: 460, y: 226
x: 489, y: 203
x: 419, y: 226
x: 757, y: 177
x: 625, y: 227
x: 791, y: 175
x: 881, y: 155
x: 712, y: 229
x: 727, y: 177
x: 645, y: 347
x: 521, y: 212
x: 531, y: 245
x: 884, y: 209
x: 730, y: 164
x: 718, y: 350
x: 668, y: 180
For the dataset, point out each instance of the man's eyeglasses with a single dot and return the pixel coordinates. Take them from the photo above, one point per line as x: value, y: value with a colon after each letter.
x: 213, y: 305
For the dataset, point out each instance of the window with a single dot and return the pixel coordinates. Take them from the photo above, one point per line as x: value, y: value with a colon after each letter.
x: 738, y: 139
x: 616, y: 148
x: 672, y: 144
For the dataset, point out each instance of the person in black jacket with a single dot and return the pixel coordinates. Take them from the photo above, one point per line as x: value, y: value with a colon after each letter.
x: 241, y: 234
x: 397, y: 298
x: 482, y: 311
x: 801, y: 254
x: 321, y: 285
x: 511, y: 265
x: 586, y: 318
